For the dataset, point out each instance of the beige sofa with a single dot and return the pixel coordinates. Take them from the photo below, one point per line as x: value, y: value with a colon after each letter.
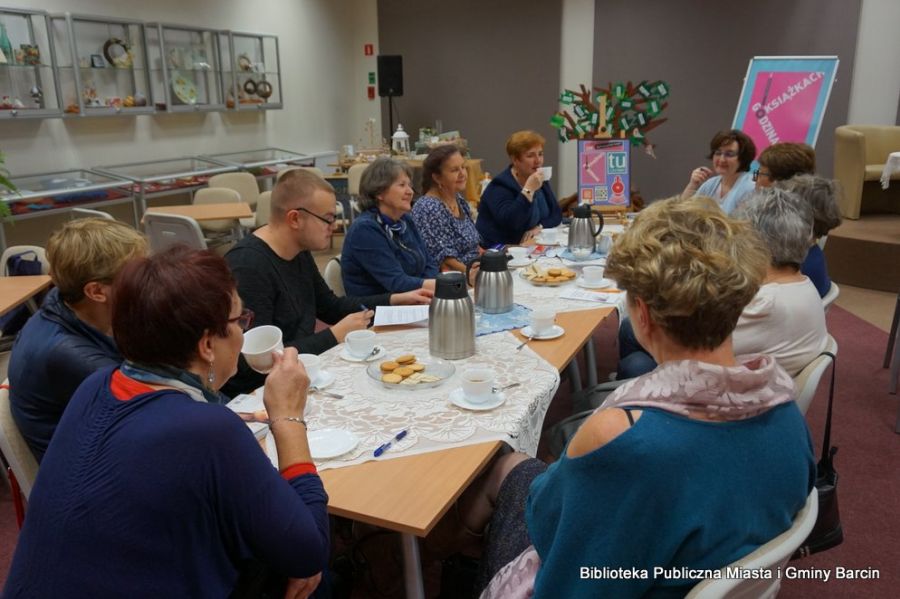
x: 860, y: 152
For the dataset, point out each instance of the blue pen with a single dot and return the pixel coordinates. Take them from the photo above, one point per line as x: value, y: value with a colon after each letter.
x: 381, y: 449
x: 364, y: 308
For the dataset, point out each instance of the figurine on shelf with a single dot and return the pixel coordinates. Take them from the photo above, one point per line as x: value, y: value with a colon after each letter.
x: 89, y: 94
x: 32, y: 54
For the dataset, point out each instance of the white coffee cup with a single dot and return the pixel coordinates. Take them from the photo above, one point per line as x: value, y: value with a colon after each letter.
x: 548, y: 236
x: 360, y: 344
x: 547, y: 171
x: 593, y: 275
x: 542, y: 321
x: 259, y: 345
x: 518, y: 253
x: 313, y: 365
x: 477, y: 384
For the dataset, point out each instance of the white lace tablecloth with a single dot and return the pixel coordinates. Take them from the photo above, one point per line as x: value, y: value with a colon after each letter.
x: 546, y: 297
x: 375, y: 414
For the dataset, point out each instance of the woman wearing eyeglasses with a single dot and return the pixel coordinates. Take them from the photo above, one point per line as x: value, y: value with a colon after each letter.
x: 150, y: 477
x: 383, y: 251
x: 729, y: 180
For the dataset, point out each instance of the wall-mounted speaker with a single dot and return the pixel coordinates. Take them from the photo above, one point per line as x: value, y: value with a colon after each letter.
x: 390, y: 75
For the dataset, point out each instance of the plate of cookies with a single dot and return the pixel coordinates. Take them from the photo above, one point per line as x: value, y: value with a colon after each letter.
x: 406, y: 372
x: 550, y: 277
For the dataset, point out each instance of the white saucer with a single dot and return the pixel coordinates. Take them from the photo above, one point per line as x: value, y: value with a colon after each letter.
x: 331, y: 442
x: 603, y: 284
x: 346, y: 355
x: 520, y: 263
x: 541, y: 241
x: 553, y: 333
x: 458, y: 399
x: 324, y: 379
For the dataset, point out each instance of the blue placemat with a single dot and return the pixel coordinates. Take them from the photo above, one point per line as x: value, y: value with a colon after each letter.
x: 485, y: 324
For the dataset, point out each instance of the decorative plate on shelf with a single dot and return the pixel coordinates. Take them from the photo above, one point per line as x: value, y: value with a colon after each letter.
x: 184, y: 88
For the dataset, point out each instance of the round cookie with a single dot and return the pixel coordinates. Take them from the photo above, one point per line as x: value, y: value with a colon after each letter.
x: 554, y: 272
x: 405, y: 359
x: 417, y: 367
x: 389, y: 366
x: 404, y: 371
x: 391, y: 378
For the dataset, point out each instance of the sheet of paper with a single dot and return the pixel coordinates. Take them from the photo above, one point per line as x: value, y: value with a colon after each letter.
x: 587, y: 296
x: 252, y: 411
x: 394, y: 315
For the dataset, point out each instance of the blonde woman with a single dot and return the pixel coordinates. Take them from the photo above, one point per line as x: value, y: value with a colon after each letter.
x: 70, y: 337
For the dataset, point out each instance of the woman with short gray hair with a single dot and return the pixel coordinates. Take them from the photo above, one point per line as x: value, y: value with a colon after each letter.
x: 785, y: 319
x: 383, y: 251
x: 822, y: 195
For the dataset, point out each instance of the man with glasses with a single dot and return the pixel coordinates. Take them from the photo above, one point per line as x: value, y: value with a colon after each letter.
x: 278, y: 280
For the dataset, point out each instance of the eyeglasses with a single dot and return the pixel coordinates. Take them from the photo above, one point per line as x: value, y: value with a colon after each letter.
x: 244, y: 320
x: 328, y: 220
x: 725, y: 153
x: 758, y: 173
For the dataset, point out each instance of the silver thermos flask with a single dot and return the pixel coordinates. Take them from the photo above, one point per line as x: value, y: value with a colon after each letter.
x: 493, y: 283
x: 451, y: 318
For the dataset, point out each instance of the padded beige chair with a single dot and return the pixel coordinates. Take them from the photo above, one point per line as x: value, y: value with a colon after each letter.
x: 833, y: 292
x: 263, y: 209
x: 88, y: 213
x: 807, y: 380
x: 353, y: 177
x: 771, y: 556
x: 246, y: 186
x: 21, y: 467
x: 218, y: 195
x: 332, y: 276
x: 860, y: 152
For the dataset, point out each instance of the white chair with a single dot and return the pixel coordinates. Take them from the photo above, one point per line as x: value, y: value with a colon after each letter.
x: 332, y: 276
x: 263, y: 209
x: 807, y: 380
x: 771, y: 556
x: 21, y: 467
x: 353, y: 177
x: 18, y: 249
x: 88, y: 213
x: 246, y: 186
x: 224, y: 230
x: 312, y: 169
x: 164, y: 230
x: 821, y: 241
x: 832, y: 295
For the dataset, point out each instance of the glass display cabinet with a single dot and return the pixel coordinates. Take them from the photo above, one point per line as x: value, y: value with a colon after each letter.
x: 185, y: 68
x: 264, y: 163
x: 29, y: 87
x: 49, y: 193
x: 169, y: 176
x: 102, y: 65
x: 255, y: 72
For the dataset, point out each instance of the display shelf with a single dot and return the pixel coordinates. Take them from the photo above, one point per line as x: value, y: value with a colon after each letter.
x: 186, y: 67
x: 255, y: 76
x: 29, y: 86
x: 156, y: 178
x: 263, y: 162
x: 103, y: 65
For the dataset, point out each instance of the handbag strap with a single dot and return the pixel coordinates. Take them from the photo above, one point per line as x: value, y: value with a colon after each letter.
x: 827, y: 451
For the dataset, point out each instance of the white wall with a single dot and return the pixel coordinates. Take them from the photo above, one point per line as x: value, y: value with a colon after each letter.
x: 323, y: 76
x: 876, y: 74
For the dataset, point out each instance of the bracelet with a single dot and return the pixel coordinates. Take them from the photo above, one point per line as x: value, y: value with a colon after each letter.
x: 290, y: 419
x: 527, y: 191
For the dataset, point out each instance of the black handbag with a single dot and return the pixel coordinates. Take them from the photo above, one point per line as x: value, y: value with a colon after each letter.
x: 827, y: 532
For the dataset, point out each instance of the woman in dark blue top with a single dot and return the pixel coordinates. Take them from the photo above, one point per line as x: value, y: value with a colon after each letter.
x: 518, y: 203
x: 383, y: 251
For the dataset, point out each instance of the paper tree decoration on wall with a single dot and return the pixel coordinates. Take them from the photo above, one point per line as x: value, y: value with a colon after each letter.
x: 623, y: 111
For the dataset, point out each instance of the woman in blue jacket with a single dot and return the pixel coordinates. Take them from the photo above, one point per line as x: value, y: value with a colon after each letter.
x: 518, y: 203
x: 383, y: 251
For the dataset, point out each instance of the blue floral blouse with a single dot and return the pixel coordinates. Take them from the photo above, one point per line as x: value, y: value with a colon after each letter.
x: 445, y: 235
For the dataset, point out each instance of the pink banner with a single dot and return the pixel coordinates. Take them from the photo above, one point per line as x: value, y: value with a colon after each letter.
x: 782, y: 106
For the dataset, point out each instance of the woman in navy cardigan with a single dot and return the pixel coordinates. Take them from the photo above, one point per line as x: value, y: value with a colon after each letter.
x: 518, y: 202
x: 383, y: 251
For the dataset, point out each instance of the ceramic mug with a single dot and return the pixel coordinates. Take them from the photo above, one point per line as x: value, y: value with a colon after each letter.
x: 593, y: 275
x: 518, y: 253
x: 478, y: 384
x: 542, y: 321
x: 313, y: 365
x: 360, y: 344
x: 259, y: 345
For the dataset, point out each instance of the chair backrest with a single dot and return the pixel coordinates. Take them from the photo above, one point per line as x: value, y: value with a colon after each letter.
x: 243, y: 183
x: 832, y: 295
x: 332, y: 276
x: 164, y: 230
x: 807, y: 380
x: 774, y: 554
x: 15, y: 450
x: 353, y: 177
x: 18, y: 249
x: 263, y: 208
x: 821, y: 241
x: 312, y: 169
x: 88, y: 213
x: 217, y: 195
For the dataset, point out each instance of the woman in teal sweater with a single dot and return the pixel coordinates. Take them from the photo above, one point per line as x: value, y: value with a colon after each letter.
x: 686, y: 469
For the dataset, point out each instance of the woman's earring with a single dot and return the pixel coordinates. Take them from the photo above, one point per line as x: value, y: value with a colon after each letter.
x: 211, y: 375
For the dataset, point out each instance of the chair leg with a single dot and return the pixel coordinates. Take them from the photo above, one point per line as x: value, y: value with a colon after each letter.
x: 892, y: 338
x: 895, y: 366
x: 18, y: 501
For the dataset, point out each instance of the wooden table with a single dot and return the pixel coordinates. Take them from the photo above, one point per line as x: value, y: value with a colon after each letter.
x: 405, y: 495
x: 201, y: 212
x: 18, y: 290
